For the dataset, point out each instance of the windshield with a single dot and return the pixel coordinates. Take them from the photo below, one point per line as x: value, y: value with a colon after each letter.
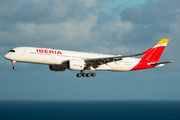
x: 12, y: 51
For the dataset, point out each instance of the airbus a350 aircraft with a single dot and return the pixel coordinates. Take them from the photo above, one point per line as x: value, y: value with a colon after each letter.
x: 60, y: 60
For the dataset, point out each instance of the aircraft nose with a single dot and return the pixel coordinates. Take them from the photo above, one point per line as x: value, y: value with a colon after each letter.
x: 7, y: 56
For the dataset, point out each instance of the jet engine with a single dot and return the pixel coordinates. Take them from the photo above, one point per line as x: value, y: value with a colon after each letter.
x: 76, y: 64
x: 57, y: 67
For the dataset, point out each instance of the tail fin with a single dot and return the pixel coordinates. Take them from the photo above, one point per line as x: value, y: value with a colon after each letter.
x: 151, y: 57
x: 155, y: 53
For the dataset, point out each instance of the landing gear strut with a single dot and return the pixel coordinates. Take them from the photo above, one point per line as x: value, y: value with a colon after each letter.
x: 14, y: 67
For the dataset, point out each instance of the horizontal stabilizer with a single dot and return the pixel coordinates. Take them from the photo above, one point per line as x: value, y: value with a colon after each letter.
x: 156, y: 64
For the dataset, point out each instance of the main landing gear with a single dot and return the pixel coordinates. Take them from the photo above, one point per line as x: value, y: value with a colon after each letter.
x: 14, y: 67
x: 86, y: 74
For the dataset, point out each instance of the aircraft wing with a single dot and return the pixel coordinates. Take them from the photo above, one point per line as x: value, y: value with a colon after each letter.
x: 99, y: 61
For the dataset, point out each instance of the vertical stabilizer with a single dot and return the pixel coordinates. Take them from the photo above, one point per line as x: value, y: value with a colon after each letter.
x: 155, y: 53
x: 152, y: 56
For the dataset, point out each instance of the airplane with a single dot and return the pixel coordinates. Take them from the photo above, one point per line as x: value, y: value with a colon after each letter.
x: 60, y: 60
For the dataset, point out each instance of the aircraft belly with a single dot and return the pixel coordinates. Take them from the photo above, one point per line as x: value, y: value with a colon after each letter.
x: 103, y: 67
x: 115, y: 67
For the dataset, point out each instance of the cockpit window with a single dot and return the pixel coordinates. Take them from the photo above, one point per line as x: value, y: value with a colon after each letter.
x: 12, y: 51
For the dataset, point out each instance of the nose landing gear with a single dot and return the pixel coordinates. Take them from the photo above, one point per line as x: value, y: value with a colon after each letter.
x: 14, y: 67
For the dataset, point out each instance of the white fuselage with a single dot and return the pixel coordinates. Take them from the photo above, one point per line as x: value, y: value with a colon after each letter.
x: 58, y: 57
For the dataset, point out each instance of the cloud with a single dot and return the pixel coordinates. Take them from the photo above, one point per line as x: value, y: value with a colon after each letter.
x: 111, y: 4
x: 58, y: 24
x: 83, y: 25
x: 48, y: 11
x: 52, y: 23
x: 152, y: 21
x: 153, y: 12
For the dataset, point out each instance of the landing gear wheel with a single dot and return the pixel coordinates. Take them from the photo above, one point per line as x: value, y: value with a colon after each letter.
x: 79, y: 75
x: 84, y: 75
x: 88, y: 74
x: 14, y: 67
x: 93, y: 74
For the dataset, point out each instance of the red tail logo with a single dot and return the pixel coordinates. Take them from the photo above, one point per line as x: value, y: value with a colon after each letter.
x: 152, y: 56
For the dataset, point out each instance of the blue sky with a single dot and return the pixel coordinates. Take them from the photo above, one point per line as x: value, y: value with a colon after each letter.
x: 110, y: 27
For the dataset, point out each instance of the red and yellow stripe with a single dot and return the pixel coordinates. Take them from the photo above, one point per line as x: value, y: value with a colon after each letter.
x: 162, y: 42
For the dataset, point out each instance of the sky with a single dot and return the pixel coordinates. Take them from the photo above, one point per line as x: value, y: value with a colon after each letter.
x: 118, y: 27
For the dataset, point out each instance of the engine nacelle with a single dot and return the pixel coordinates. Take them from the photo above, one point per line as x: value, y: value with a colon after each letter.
x: 57, y: 67
x: 76, y: 64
